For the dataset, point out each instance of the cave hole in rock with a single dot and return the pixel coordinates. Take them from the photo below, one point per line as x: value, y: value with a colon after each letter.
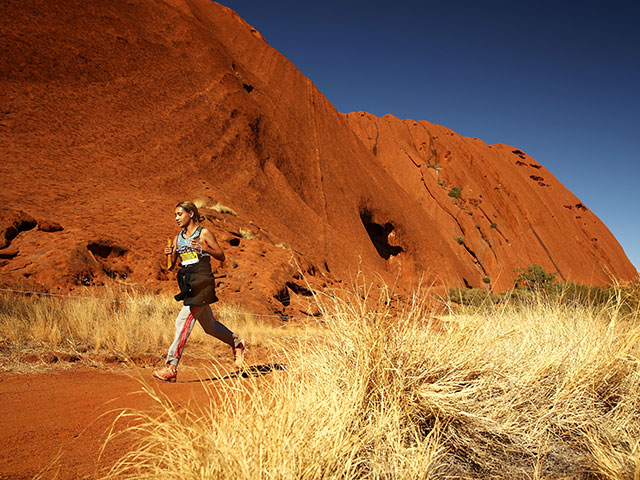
x: 21, y: 225
x: 8, y: 255
x: 379, y: 235
x: 299, y: 289
x: 24, y: 225
x: 103, y: 250
x: 234, y: 242
x: 247, y: 87
x: 283, y: 296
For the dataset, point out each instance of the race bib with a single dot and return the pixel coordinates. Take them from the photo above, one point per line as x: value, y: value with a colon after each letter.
x: 189, y: 258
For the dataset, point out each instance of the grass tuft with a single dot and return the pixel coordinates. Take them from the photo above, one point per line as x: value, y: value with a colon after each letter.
x: 217, y: 206
x: 542, y: 390
x: 114, y: 321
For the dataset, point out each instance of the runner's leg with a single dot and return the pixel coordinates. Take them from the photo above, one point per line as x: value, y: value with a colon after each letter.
x: 217, y: 329
x: 184, y: 325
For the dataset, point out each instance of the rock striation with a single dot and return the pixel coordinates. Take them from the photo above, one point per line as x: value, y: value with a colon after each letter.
x: 502, y: 207
x: 115, y: 111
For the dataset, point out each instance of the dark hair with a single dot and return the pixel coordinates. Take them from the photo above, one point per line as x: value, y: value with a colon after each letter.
x: 191, y: 208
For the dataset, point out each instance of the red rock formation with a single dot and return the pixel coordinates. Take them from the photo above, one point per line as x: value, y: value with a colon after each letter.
x: 512, y: 211
x: 115, y: 111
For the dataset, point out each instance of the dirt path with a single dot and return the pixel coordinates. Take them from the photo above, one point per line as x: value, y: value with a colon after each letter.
x: 55, y: 423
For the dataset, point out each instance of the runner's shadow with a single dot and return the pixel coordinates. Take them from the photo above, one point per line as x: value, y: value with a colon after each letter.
x: 250, y: 371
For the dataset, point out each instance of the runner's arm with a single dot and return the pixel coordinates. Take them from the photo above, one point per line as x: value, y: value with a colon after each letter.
x: 210, y: 245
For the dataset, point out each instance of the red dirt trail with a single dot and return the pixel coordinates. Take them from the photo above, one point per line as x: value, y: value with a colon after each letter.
x: 55, y: 423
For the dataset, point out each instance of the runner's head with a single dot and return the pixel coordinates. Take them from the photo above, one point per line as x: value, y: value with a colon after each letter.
x: 187, y: 212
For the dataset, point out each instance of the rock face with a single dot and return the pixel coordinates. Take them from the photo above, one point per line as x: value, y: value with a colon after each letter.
x: 115, y: 111
x: 510, y: 212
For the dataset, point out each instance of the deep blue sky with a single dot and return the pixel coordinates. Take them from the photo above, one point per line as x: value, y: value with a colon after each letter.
x: 559, y: 80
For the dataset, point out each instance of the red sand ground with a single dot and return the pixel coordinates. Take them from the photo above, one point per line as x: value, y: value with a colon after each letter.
x: 57, y: 422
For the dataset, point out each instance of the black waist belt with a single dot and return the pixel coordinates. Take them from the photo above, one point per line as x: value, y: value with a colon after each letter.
x: 196, y: 283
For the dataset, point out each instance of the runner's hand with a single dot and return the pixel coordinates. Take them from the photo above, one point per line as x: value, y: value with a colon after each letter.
x: 168, y: 250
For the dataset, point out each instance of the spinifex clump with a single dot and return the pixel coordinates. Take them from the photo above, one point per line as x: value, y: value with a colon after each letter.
x: 544, y: 390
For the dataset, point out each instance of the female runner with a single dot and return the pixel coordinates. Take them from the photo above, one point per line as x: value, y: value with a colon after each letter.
x: 194, y: 246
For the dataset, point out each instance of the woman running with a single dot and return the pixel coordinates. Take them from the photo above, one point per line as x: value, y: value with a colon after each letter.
x: 194, y: 246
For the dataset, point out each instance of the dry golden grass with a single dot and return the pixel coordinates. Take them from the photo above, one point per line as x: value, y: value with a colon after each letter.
x: 538, y: 391
x: 217, y: 206
x: 113, y: 321
x: 265, y: 330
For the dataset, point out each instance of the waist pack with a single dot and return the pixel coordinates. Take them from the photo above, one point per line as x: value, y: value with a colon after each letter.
x: 196, y: 283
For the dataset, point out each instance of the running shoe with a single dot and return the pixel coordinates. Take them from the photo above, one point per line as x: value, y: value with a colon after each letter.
x: 168, y: 373
x: 238, y: 354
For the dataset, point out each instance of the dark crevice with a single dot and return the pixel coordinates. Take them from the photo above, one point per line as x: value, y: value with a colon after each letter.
x: 247, y: 87
x: 440, y: 205
x: 234, y: 242
x: 433, y: 151
x: 103, y: 250
x: 547, y: 251
x: 12, y: 232
x: 8, y: 254
x: 257, y: 133
x: 283, y: 296
x: 375, y: 146
x: 25, y: 225
x: 488, y: 242
x: 475, y: 258
x: 497, y: 229
x: 299, y: 289
x: 476, y: 261
x: 411, y: 158
x: 379, y: 235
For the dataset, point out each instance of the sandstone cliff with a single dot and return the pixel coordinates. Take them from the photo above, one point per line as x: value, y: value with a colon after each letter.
x: 115, y: 111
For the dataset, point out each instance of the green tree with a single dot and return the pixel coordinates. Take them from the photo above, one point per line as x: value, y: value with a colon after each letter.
x: 534, y: 278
